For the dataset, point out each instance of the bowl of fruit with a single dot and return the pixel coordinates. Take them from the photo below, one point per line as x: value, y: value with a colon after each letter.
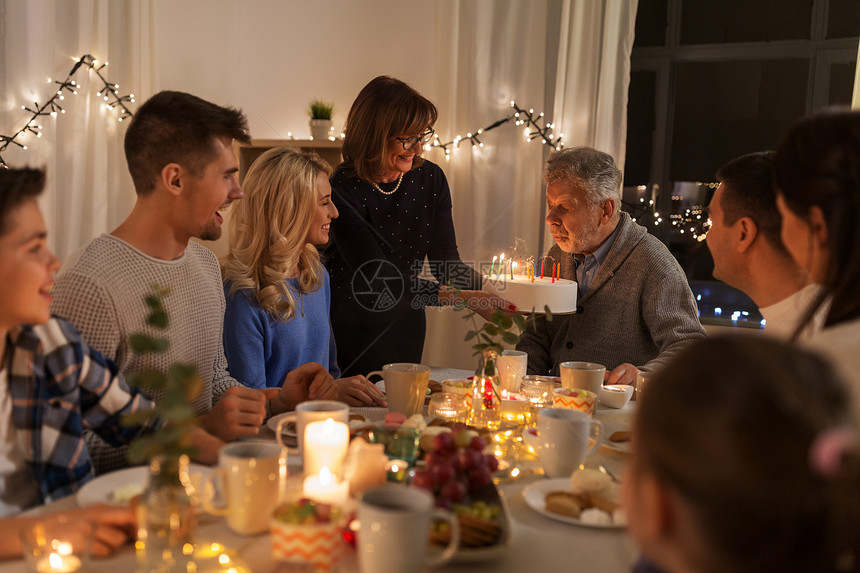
x: 307, y: 532
x: 574, y: 399
x: 459, y: 475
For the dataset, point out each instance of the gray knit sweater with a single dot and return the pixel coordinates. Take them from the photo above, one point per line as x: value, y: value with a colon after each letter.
x: 102, y: 293
x: 639, y: 309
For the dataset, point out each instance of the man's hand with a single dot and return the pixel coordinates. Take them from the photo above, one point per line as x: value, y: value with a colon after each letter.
x: 359, y: 391
x: 207, y: 446
x: 621, y: 374
x: 238, y: 414
x: 309, y: 381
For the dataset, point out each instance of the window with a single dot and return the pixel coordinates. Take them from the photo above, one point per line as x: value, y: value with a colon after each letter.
x: 714, y: 80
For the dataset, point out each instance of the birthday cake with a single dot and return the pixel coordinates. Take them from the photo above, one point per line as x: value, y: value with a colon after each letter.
x: 534, y: 294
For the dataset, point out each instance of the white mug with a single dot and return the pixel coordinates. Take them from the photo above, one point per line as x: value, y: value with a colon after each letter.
x: 405, y: 386
x: 253, y: 477
x: 513, y: 365
x: 395, y: 525
x: 311, y: 411
x: 583, y: 375
x: 563, y: 440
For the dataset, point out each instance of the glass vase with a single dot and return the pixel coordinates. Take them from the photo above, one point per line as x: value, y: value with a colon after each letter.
x: 166, y: 518
x: 486, y: 404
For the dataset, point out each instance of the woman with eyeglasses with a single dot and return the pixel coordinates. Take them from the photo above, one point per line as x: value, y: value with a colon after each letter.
x: 395, y: 210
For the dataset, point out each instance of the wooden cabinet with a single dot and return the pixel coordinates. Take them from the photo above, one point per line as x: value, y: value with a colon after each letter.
x: 327, y: 149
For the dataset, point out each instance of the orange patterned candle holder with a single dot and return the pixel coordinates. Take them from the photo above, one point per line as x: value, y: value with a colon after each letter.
x: 317, y: 544
x: 574, y: 399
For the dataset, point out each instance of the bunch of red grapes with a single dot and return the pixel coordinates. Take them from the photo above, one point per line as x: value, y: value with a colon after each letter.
x: 456, y: 467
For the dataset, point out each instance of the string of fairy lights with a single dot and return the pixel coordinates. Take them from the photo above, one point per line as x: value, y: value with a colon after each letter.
x: 691, y: 223
x: 536, y: 128
x: 109, y: 92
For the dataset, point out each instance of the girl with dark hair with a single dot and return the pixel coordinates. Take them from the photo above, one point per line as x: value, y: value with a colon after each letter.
x: 817, y: 174
x: 745, y: 459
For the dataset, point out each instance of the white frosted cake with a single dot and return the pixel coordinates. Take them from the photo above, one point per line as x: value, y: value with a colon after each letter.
x: 558, y: 295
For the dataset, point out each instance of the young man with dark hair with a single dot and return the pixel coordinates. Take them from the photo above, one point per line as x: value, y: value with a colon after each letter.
x: 179, y: 150
x: 745, y: 241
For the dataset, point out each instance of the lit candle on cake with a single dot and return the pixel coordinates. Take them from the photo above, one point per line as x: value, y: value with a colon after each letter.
x: 326, y: 442
x: 501, y: 263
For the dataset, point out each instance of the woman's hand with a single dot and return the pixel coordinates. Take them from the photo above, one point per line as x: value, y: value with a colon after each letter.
x: 359, y: 391
x: 310, y: 381
x: 482, y: 302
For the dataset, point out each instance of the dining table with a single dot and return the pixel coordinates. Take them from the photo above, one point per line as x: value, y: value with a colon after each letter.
x: 534, y: 543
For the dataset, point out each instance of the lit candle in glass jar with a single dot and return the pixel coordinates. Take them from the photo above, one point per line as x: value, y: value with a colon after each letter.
x: 513, y: 407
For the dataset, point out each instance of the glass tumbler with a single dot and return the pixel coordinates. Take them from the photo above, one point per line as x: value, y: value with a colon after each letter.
x: 448, y: 406
x: 538, y: 390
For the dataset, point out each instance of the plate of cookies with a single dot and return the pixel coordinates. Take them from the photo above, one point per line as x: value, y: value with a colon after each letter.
x: 587, y: 500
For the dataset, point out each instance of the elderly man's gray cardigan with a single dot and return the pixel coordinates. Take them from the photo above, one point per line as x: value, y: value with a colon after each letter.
x: 639, y: 309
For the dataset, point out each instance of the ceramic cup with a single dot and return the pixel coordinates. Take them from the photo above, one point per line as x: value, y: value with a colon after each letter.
x: 311, y: 411
x: 585, y: 375
x: 512, y: 366
x: 395, y: 525
x: 253, y: 478
x: 405, y: 386
x: 563, y: 440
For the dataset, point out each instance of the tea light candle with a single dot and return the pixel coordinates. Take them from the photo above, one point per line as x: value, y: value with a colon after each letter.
x: 396, y: 470
x: 326, y: 488
x: 326, y: 442
x: 513, y: 407
x: 58, y: 563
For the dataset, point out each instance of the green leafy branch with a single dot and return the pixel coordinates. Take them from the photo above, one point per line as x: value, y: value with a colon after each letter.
x: 179, y: 385
x: 499, y: 329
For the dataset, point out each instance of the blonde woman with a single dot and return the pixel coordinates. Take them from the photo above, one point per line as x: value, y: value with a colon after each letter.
x: 277, y: 289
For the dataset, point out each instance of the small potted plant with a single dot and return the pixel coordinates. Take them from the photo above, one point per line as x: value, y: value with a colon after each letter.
x: 320, y: 114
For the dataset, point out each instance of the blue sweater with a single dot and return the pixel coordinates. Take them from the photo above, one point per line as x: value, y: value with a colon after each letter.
x: 261, y: 350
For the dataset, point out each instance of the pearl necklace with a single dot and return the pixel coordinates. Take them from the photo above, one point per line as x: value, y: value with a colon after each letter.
x: 396, y: 187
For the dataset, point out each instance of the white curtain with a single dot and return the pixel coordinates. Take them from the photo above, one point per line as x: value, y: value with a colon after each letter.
x: 89, y: 191
x: 568, y: 58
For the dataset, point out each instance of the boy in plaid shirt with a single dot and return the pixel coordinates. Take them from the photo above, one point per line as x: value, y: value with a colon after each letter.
x: 52, y: 385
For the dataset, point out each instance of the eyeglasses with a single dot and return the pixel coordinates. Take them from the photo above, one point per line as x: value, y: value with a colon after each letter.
x: 409, y: 142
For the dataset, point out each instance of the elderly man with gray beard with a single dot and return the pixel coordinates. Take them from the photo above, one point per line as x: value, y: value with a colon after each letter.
x: 635, y: 307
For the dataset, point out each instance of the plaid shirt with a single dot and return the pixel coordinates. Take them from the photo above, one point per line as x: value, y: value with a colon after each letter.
x: 59, y: 387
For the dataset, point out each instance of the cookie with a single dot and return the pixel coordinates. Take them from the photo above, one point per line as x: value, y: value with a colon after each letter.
x: 619, y: 437
x: 564, y: 503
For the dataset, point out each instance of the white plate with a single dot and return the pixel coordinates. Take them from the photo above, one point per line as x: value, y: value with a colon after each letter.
x: 100, y: 489
x: 274, y: 420
x: 535, y: 497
